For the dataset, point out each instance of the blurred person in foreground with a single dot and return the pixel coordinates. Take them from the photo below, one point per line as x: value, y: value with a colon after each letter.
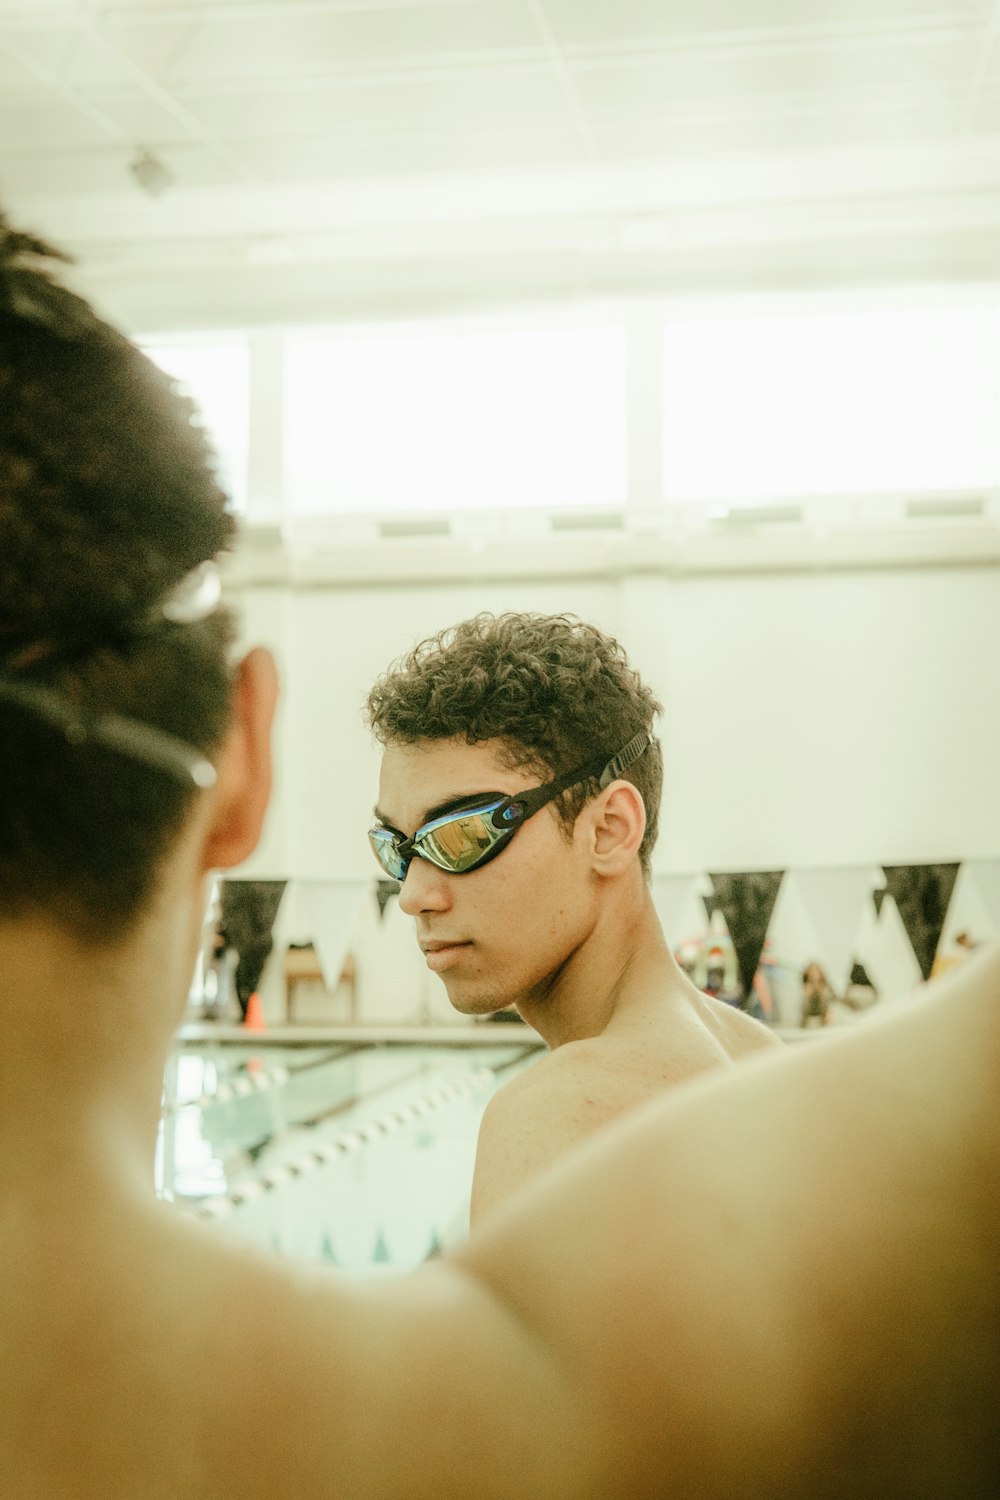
x: 519, y: 801
x: 780, y: 1280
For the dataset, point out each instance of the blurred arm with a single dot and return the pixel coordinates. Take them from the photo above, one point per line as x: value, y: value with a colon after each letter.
x: 789, y: 1271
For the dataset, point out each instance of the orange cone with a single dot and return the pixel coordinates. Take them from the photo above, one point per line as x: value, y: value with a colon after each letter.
x: 254, y: 1020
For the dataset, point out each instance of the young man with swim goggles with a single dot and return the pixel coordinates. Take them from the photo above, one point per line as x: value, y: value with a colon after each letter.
x: 466, y: 838
x: 563, y: 927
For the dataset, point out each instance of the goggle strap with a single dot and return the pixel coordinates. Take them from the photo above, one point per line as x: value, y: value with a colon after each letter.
x: 626, y: 756
x: 605, y: 771
x: 124, y: 736
x: 532, y: 802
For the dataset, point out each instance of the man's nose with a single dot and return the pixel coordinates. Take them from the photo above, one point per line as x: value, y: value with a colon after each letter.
x: 425, y: 888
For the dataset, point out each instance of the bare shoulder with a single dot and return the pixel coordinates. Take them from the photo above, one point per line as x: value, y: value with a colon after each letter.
x: 892, y: 1116
x: 739, y: 1033
x: 537, y: 1116
x: 570, y: 1094
x: 557, y: 1092
x: 571, y: 1090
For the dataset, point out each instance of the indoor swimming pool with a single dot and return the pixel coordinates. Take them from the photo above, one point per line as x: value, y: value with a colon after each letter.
x: 357, y: 1155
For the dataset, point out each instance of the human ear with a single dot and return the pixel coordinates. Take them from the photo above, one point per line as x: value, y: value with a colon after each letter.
x: 619, y: 822
x: 244, y: 768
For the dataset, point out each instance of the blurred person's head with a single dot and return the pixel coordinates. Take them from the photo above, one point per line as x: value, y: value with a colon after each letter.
x: 116, y: 689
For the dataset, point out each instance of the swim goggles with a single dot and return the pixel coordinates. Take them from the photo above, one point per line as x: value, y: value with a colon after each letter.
x: 471, y: 835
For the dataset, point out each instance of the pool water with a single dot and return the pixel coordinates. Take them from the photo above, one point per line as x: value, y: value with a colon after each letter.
x: 355, y: 1156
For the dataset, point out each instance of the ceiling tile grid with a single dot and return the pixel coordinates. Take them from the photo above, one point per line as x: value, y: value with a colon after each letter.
x: 250, y: 97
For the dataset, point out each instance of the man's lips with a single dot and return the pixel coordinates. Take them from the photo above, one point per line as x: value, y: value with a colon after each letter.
x: 441, y: 954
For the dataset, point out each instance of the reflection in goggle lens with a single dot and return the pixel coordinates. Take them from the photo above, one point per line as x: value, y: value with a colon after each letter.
x: 455, y: 844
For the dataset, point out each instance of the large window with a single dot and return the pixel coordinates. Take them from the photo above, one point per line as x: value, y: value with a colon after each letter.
x: 785, y: 398
x: 880, y: 397
x: 216, y: 375
x: 453, y: 418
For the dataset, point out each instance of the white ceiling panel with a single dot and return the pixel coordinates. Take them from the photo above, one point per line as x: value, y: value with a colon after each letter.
x: 705, y: 135
x: 40, y: 12
x: 637, y: 83
x: 11, y: 78
x: 145, y: 118
x: 337, y: 156
x: 422, y: 110
x: 103, y: 55
x: 775, y: 100
x: 590, y: 22
x: 50, y: 51
x: 353, y: 40
x: 45, y: 126
x: 462, y: 101
x: 636, y: 139
x: 987, y: 110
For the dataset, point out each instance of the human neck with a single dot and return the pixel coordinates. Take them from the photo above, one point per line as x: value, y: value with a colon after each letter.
x: 622, y: 972
x: 85, y: 1032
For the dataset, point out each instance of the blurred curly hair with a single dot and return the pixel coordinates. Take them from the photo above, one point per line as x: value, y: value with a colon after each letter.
x: 108, y: 498
x: 554, y: 691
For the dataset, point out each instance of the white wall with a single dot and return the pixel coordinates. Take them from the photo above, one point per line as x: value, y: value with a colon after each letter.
x: 810, y: 718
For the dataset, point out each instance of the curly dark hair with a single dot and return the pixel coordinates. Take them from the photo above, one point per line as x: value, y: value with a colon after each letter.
x: 108, y: 498
x: 554, y: 691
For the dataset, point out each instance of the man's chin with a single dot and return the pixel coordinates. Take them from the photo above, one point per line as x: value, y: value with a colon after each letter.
x: 465, y: 1000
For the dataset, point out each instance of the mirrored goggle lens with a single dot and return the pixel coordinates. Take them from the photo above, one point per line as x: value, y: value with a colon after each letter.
x: 460, y: 841
x: 384, y: 846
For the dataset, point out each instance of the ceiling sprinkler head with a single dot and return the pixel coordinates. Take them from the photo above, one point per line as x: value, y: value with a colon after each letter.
x: 150, y: 173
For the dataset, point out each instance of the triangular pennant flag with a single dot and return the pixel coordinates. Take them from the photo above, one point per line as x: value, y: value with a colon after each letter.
x: 922, y: 894
x: 327, y: 914
x: 859, y: 975
x: 255, y: 902
x: 886, y: 952
x: 747, y: 901
x: 836, y: 902
x: 878, y: 896
x: 983, y: 881
x: 248, y: 909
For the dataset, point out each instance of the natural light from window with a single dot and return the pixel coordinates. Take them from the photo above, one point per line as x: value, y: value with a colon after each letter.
x: 777, y: 401
x: 418, y: 419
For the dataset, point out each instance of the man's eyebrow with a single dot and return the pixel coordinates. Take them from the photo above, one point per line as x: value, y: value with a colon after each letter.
x: 380, y: 817
x: 440, y: 809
